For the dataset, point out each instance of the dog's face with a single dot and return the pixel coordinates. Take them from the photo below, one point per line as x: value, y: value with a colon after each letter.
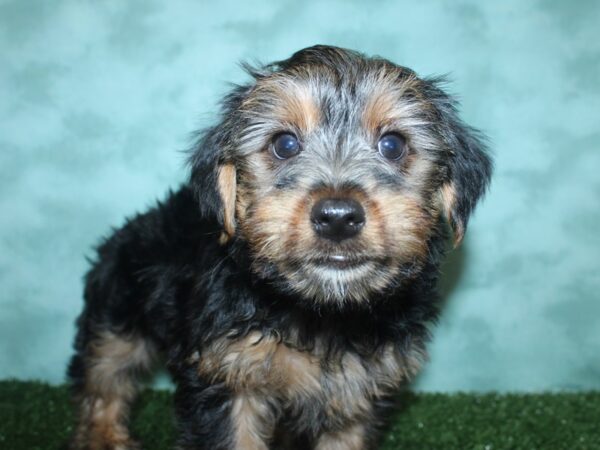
x: 337, y: 169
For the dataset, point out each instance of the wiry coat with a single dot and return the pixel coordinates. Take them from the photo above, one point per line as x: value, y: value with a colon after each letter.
x: 269, y: 346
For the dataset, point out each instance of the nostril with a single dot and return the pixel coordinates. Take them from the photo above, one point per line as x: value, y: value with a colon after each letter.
x: 354, y: 220
x: 323, y: 219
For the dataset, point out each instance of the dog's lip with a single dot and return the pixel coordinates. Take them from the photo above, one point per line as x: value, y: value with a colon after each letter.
x: 340, y: 261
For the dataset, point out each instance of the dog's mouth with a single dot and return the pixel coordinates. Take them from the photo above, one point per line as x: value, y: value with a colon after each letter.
x: 337, y: 276
x: 341, y: 262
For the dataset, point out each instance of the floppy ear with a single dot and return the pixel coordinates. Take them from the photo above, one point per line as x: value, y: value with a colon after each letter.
x: 213, y: 171
x: 469, y: 165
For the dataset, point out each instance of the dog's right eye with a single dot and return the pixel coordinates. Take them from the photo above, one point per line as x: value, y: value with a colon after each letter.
x: 285, y: 145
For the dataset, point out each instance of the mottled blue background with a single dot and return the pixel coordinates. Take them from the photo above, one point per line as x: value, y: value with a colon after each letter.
x: 97, y: 100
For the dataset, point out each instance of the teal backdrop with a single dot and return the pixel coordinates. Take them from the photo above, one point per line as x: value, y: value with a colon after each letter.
x: 98, y: 100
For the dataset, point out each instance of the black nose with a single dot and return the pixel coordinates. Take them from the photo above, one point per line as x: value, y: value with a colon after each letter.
x: 337, y: 219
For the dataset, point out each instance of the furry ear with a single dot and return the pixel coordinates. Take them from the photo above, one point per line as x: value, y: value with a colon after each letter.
x: 213, y: 171
x: 469, y: 165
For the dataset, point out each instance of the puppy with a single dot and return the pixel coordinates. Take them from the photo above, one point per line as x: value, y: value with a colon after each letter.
x: 289, y: 284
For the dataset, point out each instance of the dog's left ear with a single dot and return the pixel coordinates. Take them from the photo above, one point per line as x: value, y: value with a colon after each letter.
x: 213, y: 172
x: 469, y: 165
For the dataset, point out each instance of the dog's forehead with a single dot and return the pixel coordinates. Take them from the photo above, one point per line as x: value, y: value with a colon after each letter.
x: 310, y: 95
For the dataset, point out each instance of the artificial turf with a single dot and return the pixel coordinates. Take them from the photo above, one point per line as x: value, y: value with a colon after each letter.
x: 35, y: 416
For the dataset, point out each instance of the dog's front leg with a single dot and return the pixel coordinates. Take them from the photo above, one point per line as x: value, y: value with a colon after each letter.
x: 350, y: 438
x: 253, y: 420
x: 214, y: 418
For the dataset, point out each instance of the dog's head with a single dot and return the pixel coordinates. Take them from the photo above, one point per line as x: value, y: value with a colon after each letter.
x: 337, y: 169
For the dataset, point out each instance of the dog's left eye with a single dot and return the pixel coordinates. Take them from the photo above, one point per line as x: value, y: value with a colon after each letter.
x: 392, y: 146
x: 285, y: 145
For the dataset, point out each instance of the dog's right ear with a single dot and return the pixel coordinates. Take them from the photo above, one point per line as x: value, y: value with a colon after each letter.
x: 213, y: 170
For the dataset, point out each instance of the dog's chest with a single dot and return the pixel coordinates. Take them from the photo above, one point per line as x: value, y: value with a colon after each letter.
x: 263, y: 364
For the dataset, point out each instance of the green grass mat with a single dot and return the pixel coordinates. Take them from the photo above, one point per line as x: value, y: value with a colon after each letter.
x: 36, y: 416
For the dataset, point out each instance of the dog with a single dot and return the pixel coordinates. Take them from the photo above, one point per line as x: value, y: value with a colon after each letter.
x: 290, y: 282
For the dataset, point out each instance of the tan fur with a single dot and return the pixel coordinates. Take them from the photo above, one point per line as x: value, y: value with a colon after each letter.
x: 406, y: 224
x: 348, y: 385
x: 111, y: 359
x: 110, y: 388
x: 227, y: 189
x: 253, y: 422
x: 355, y: 382
x: 261, y: 365
x: 268, y: 229
x: 243, y: 196
x: 448, y: 200
x: 351, y: 438
x: 385, y: 106
x: 294, y: 102
x: 256, y: 362
x: 380, y: 105
x: 103, y: 425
